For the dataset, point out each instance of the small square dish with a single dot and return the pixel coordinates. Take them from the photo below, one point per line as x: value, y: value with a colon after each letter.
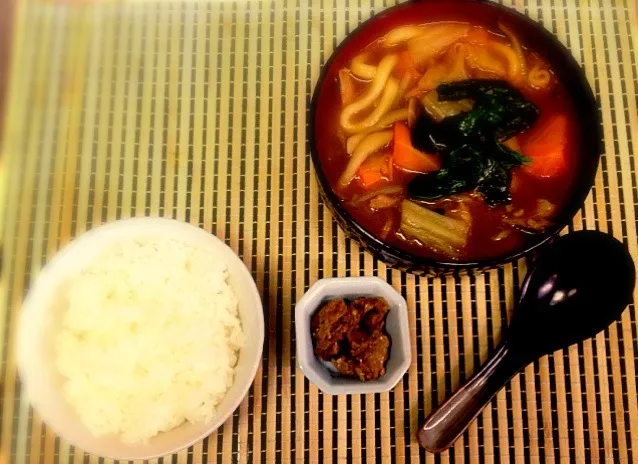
x: 323, y: 373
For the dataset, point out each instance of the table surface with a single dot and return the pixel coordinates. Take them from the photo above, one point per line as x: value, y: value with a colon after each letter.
x: 197, y: 111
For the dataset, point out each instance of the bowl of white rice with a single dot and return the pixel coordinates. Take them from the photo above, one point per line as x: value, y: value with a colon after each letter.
x: 140, y: 337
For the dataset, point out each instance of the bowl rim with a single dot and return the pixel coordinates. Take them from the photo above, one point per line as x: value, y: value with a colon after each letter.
x: 302, y: 333
x: 567, y: 212
x: 48, y: 273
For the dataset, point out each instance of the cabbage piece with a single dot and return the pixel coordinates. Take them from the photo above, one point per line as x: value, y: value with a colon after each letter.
x: 444, y: 234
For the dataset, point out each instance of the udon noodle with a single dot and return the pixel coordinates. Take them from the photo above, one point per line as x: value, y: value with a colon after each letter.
x: 521, y: 64
x: 382, y: 86
x: 386, y: 121
x: 370, y: 144
x: 402, y: 34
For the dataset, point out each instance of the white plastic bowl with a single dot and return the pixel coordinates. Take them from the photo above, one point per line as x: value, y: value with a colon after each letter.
x: 396, y: 325
x: 40, y: 321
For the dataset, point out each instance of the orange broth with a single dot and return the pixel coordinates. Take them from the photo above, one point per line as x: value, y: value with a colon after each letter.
x: 487, y: 222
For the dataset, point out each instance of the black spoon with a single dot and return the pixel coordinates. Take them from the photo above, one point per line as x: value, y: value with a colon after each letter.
x: 577, y: 286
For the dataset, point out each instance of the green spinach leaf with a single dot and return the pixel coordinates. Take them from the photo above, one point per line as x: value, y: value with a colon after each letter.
x: 469, y: 143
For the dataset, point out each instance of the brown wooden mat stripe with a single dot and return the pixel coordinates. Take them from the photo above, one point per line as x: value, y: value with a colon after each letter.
x: 197, y: 110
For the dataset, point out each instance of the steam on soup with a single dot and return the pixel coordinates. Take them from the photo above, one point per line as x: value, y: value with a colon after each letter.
x: 449, y: 140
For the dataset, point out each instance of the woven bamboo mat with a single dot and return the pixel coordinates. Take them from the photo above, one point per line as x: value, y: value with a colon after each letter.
x: 197, y: 111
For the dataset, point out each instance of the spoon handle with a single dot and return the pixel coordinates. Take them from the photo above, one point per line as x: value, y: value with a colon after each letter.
x: 443, y: 426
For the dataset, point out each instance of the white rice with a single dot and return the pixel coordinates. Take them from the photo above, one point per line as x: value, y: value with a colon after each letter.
x: 150, y: 338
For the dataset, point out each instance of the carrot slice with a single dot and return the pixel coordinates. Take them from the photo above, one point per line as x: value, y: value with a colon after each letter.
x: 517, y: 181
x: 408, y: 158
x: 406, y: 70
x: 513, y: 144
x: 406, y: 64
x: 547, y: 148
x: 375, y: 170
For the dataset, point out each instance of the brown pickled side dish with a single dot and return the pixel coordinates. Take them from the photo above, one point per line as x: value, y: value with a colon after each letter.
x: 352, y: 336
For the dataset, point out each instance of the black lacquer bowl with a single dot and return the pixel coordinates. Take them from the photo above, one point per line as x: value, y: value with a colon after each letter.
x: 546, y: 44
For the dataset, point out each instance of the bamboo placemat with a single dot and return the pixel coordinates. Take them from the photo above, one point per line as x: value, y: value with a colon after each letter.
x: 197, y: 111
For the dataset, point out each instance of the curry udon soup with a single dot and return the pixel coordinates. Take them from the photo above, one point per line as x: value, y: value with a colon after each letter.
x: 449, y: 140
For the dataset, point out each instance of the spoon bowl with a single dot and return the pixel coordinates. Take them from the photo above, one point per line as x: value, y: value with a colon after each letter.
x: 576, y: 287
